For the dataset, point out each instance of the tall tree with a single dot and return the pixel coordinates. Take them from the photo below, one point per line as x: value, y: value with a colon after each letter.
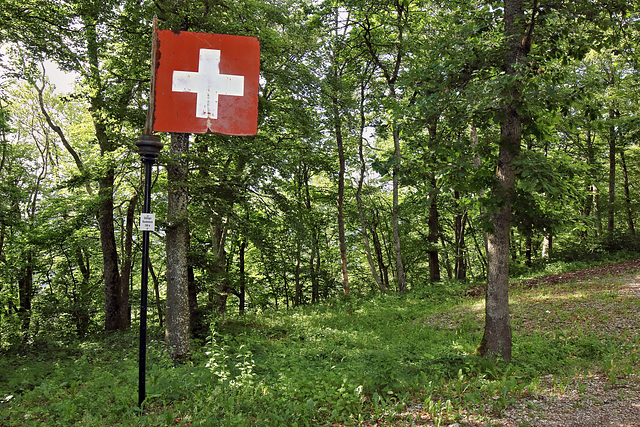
x: 496, y: 341
x: 340, y: 27
x: 81, y: 36
x: 364, y: 86
x: 388, y: 55
x: 93, y: 16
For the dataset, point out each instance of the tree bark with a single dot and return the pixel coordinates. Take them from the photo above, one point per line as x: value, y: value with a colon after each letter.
x: 156, y: 293
x: 592, y: 204
x: 395, y: 216
x: 612, y: 173
x: 81, y: 311
x: 434, y: 263
x: 315, y: 242
x: 116, y: 308
x: 243, y: 276
x: 460, y: 268
x: 341, y: 172
x: 433, y: 221
x: 627, y: 193
x: 391, y: 71
x: 25, y: 294
x: 363, y: 224
x: 177, y: 311
x: 127, y: 262
x: 197, y: 324
x: 377, y: 247
x: 547, y: 246
x: 297, y: 283
x: 219, y: 265
x: 496, y: 341
x: 528, y: 250
x: 298, y: 297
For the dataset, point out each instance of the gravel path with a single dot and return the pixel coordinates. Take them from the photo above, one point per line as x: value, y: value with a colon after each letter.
x: 586, y: 402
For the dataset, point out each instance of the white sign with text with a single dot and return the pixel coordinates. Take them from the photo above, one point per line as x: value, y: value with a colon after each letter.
x: 147, y: 222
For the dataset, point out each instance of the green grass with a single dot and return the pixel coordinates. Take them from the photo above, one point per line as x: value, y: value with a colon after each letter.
x: 348, y: 362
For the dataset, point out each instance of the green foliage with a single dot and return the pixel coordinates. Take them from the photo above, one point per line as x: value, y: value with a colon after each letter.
x: 437, y: 86
x: 352, y: 361
x: 599, y: 249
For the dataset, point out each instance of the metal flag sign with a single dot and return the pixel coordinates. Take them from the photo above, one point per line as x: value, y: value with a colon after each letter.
x: 206, y: 83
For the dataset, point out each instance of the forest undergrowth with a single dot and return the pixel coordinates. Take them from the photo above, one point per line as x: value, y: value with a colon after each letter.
x: 385, y: 360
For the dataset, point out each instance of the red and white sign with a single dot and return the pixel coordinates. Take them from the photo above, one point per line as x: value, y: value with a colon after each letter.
x: 206, y: 83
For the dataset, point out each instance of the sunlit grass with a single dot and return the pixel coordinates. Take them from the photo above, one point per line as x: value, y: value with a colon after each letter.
x: 391, y: 359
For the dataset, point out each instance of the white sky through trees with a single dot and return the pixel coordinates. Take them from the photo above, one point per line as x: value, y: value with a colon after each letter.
x: 62, y: 81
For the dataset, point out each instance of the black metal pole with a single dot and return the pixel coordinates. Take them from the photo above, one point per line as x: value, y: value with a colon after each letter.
x: 149, y: 147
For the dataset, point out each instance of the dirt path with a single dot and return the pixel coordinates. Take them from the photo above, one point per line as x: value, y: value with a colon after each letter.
x: 612, y: 270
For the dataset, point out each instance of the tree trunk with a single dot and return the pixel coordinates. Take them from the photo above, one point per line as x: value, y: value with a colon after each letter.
x: 243, y: 276
x: 177, y: 311
x: 377, y: 247
x: 197, y: 324
x: 547, y: 246
x: 497, y: 333
x: 460, y: 268
x: 81, y: 311
x: 479, y: 248
x: 433, y: 221
x: 127, y: 262
x: 315, y: 271
x: 496, y: 341
x: 395, y: 215
x: 592, y: 205
x: 434, y: 263
x: 597, y: 211
x: 219, y: 267
x: 156, y: 293
x: 286, y: 287
x: 25, y: 293
x: 341, y: 172
x: 627, y: 193
x: 116, y: 308
x: 612, y: 173
x: 445, y: 257
x: 363, y: 224
x: 391, y: 71
x: 315, y: 242
x: 300, y: 176
x: 296, y: 277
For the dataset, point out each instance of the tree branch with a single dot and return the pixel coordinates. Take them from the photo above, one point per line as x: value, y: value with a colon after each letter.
x: 57, y: 128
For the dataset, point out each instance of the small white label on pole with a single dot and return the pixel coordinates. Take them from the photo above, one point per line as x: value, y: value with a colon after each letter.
x: 147, y: 222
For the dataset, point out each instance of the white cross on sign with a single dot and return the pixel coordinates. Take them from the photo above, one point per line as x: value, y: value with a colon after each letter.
x: 218, y: 73
x: 208, y: 83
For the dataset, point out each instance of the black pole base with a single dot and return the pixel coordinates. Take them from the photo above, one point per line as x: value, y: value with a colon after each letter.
x: 149, y: 147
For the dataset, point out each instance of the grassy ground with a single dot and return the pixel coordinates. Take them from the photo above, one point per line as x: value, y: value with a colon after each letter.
x: 388, y: 360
